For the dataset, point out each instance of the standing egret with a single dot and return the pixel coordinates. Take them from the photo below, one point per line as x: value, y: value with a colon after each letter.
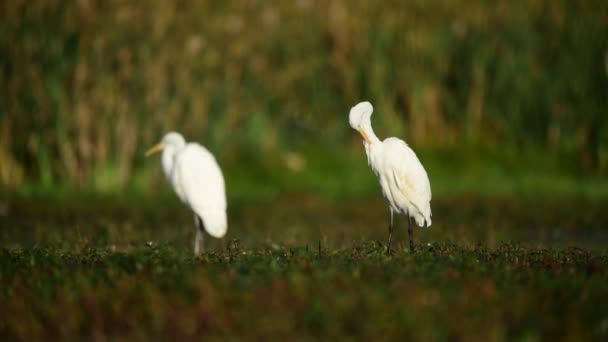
x: 198, y: 181
x: 405, y: 184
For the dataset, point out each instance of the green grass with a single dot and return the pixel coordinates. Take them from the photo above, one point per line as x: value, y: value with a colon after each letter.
x: 439, y: 292
x: 305, y: 266
x: 339, y: 173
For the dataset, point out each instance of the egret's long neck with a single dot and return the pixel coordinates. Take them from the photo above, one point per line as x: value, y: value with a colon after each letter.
x: 369, y: 131
x: 371, y: 146
x: 168, y: 160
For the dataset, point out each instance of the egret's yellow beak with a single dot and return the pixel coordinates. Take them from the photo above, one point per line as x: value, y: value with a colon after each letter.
x: 156, y: 148
x: 364, y: 135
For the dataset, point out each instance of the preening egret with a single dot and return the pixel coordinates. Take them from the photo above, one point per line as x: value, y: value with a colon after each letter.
x: 197, y: 180
x: 405, y: 184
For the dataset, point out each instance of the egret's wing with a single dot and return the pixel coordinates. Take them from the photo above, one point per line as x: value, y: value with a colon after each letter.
x: 199, y: 181
x: 408, y: 174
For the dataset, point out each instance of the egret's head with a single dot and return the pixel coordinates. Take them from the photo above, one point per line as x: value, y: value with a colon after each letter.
x: 359, y: 118
x: 171, y: 139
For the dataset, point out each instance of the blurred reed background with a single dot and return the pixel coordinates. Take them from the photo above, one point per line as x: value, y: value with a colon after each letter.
x: 86, y: 86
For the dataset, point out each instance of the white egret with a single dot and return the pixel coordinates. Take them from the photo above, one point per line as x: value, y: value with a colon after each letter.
x: 197, y: 180
x: 405, y: 184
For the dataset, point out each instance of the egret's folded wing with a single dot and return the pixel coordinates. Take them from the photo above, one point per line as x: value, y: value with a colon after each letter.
x: 409, y: 175
x: 202, y: 185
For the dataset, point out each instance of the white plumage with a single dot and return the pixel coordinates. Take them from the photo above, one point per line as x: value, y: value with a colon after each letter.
x: 403, y: 180
x: 197, y: 180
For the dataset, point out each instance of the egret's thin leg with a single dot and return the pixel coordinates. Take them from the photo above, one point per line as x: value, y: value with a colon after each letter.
x: 198, y: 239
x: 410, y: 233
x: 390, y: 233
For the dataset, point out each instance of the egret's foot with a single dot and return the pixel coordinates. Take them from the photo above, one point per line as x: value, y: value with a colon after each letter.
x: 388, y: 249
x: 390, y: 235
x: 410, y: 233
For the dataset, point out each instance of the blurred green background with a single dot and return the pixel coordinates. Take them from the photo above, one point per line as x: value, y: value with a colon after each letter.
x: 505, y: 103
x: 500, y: 96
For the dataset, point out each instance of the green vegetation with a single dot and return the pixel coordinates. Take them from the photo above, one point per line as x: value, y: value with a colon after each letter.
x: 87, y: 86
x: 504, y: 102
x: 304, y: 266
x: 340, y: 174
x: 440, y: 292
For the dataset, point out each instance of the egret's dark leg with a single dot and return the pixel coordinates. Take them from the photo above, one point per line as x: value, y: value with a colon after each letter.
x: 390, y: 234
x: 198, y: 239
x: 410, y: 233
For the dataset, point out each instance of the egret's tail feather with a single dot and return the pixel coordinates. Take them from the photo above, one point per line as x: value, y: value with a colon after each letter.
x: 423, y: 220
x: 427, y: 216
x: 216, y: 223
